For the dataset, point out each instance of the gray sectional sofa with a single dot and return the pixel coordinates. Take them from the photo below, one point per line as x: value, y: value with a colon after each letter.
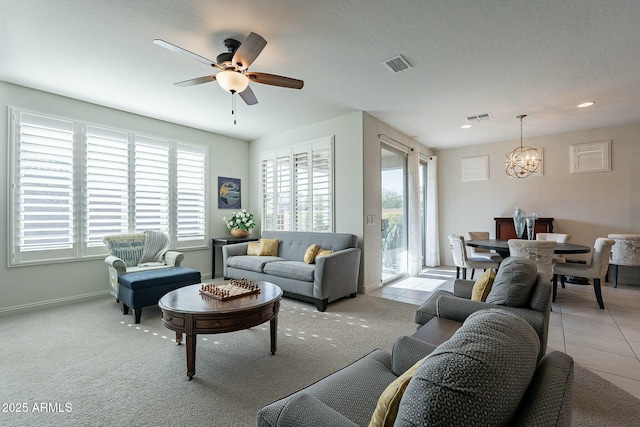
x: 327, y: 279
x: 488, y: 373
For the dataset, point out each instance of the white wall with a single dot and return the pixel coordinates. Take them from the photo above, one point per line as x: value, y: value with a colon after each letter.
x: 586, y: 206
x: 25, y: 288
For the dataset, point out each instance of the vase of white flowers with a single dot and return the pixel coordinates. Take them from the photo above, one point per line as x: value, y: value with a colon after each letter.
x: 240, y: 224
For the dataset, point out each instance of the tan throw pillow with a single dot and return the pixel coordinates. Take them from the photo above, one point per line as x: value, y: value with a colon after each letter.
x: 389, y: 401
x: 253, y: 248
x: 323, y: 252
x: 482, y: 286
x: 310, y: 254
x: 269, y: 247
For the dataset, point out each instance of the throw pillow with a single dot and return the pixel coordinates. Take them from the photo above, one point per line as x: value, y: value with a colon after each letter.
x: 253, y: 248
x: 482, y: 286
x: 269, y: 247
x: 323, y: 252
x: 387, y: 407
x: 310, y: 254
x: 514, y: 282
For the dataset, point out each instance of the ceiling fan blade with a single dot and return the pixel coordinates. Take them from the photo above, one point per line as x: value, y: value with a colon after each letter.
x: 178, y: 49
x: 248, y: 96
x: 197, y: 81
x: 248, y: 51
x: 274, y: 80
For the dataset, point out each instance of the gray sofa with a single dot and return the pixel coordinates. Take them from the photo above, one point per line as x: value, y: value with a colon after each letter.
x: 327, y: 279
x: 488, y: 373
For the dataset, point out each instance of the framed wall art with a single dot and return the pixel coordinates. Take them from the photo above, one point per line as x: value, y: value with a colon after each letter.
x: 229, y: 193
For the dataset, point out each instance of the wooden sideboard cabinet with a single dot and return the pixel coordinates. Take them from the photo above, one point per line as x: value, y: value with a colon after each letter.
x: 505, y: 229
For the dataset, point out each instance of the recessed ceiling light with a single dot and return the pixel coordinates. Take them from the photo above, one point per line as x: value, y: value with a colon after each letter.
x: 586, y: 104
x: 467, y: 126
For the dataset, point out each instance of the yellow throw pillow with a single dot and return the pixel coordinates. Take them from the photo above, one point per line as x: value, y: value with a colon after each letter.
x: 482, y: 286
x: 253, y: 248
x: 389, y: 401
x: 310, y: 254
x: 269, y: 247
x: 323, y: 252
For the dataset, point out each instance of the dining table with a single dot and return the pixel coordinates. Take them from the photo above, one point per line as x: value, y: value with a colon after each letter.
x: 502, y: 247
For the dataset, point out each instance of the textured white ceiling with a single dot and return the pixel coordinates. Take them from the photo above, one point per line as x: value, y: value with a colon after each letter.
x: 504, y: 57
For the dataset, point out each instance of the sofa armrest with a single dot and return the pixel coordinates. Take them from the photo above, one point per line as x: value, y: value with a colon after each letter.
x: 117, y: 263
x: 228, y: 251
x: 406, y: 352
x: 336, y: 274
x: 463, y: 288
x: 306, y: 410
x: 173, y: 258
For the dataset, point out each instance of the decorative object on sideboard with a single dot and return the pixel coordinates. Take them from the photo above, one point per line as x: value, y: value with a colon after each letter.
x: 522, y: 161
x: 531, y: 225
x: 240, y: 224
x: 519, y: 221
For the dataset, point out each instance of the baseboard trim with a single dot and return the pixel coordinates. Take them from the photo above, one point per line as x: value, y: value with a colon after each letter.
x: 57, y: 302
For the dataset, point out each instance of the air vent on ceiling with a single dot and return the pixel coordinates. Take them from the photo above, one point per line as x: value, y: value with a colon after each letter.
x: 397, y: 64
x: 480, y: 117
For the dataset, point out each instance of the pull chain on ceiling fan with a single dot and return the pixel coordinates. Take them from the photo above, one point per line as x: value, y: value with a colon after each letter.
x: 233, y: 65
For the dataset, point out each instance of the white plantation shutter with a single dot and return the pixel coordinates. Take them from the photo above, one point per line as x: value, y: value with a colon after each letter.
x: 43, y: 188
x: 191, y: 195
x: 297, y: 187
x: 151, y: 183
x: 106, y: 195
x: 74, y: 183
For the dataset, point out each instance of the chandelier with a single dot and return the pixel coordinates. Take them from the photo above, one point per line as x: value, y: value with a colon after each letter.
x: 522, y: 161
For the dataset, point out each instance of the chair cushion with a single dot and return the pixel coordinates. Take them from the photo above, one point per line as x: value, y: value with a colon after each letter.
x: 514, y: 282
x: 159, y: 277
x: 463, y: 380
x: 127, y: 247
x: 482, y: 286
x: 156, y: 244
x: 292, y: 269
x: 251, y: 263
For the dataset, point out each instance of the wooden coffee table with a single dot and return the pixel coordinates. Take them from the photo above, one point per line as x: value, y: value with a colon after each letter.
x: 186, y: 311
x: 437, y: 330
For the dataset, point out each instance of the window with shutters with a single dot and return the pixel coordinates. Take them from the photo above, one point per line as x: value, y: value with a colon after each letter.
x: 73, y: 183
x: 297, y: 187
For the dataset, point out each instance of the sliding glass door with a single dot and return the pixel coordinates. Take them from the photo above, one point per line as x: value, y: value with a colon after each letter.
x: 394, y: 213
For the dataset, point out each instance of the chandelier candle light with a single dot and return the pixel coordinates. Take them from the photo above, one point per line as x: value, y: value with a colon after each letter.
x: 522, y: 161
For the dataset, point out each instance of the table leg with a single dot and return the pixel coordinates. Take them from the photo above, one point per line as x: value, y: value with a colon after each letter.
x: 274, y: 334
x: 213, y: 261
x: 191, y: 355
x: 178, y: 338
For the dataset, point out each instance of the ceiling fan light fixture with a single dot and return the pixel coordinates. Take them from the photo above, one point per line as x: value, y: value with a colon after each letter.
x: 232, y: 81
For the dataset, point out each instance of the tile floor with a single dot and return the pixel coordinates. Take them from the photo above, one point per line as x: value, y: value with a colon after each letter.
x: 605, y: 341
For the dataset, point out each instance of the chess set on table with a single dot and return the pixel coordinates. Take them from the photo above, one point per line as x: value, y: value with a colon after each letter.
x: 236, y: 288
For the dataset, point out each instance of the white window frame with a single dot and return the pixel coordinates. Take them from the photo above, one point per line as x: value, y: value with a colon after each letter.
x: 194, y: 195
x: 285, y: 193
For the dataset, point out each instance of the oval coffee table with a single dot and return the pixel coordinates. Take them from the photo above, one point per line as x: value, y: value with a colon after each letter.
x: 186, y: 311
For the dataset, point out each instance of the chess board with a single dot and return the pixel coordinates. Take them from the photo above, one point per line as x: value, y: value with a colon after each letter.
x: 236, y: 288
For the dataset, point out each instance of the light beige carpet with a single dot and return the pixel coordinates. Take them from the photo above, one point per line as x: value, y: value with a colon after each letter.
x: 90, y: 365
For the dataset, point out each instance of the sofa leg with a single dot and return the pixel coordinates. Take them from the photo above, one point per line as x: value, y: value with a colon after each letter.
x: 322, y: 304
x: 125, y: 309
x: 353, y: 295
x: 137, y: 313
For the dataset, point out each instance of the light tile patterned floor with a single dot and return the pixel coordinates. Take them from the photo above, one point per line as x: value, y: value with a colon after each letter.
x: 605, y: 341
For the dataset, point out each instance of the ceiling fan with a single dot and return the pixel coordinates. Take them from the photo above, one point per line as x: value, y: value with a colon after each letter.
x: 233, y: 65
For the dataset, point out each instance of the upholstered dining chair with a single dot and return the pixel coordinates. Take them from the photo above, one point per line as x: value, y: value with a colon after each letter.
x: 461, y: 261
x: 595, y: 271
x: 480, y: 252
x: 538, y: 251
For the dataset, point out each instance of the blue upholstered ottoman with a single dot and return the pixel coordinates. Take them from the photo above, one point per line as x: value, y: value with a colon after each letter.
x: 145, y: 288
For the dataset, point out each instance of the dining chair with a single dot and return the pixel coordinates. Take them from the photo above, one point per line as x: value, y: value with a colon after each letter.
x: 555, y: 237
x: 462, y: 261
x: 594, y: 272
x: 538, y: 251
x: 480, y: 252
